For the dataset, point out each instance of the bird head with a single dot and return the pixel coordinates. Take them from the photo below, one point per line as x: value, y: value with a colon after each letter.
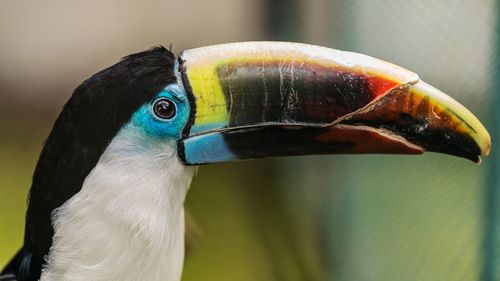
x: 232, y: 102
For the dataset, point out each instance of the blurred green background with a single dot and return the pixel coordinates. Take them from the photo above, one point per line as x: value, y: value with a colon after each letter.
x: 430, y: 217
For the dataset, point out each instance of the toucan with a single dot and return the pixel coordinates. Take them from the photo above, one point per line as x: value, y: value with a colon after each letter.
x: 106, y: 201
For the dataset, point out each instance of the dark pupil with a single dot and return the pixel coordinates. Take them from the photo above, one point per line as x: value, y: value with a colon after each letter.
x: 164, y: 109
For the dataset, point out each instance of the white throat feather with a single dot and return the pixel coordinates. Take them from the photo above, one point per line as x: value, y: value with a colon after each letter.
x: 127, y: 221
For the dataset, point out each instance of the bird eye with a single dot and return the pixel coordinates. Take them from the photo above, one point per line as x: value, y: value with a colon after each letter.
x: 164, y: 109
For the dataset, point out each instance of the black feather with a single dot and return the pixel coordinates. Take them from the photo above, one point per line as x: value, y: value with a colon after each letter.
x: 96, y: 111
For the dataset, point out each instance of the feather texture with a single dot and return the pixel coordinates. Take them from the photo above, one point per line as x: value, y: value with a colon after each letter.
x: 127, y: 222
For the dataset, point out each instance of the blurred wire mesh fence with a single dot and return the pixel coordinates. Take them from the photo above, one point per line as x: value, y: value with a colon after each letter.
x: 405, y: 218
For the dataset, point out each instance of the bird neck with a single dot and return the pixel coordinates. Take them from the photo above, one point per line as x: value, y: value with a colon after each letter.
x: 127, y: 222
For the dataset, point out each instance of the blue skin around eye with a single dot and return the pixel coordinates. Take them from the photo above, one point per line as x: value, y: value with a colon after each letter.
x: 145, y: 119
x: 207, y: 148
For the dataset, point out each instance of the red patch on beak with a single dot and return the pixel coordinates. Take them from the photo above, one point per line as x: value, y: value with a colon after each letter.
x: 379, y: 86
x: 368, y: 140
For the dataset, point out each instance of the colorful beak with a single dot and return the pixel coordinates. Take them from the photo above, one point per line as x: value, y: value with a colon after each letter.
x: 258, y: 99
